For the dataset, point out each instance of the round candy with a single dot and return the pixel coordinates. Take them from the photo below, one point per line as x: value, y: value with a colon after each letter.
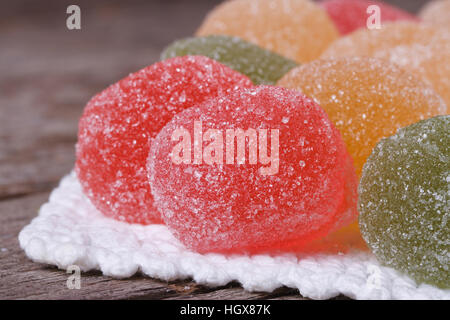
x: 349, y: 15
x: 260, y: 65
x: 404, y: 201
x: 257, y: 170
x: 437, y: 13
x: 118, y: 123
x: 365, y: 42
x: 367, y: 99
x: 420, y: 49
x: 297, y: 29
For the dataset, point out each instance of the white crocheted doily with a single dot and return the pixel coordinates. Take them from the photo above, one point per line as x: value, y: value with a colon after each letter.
x: 70, y: 231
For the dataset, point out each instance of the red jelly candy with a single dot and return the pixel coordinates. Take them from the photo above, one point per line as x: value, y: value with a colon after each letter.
x: 349, y: 15
x: 261, y: 169
x: 117, y: 124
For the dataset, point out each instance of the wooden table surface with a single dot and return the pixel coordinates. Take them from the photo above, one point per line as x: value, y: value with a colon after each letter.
x: 47, y: 74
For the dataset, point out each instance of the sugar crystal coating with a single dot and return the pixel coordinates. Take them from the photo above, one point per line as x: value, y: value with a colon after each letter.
x: 404, y: 201
x: 349, y: 15
x: 297, y: 29
x: 260, y: 65
x: 420, y: 49
x: 118, y: 123
x: 437, y: 13
x: 228, y: 207
x: 367, y: 99
x: 367, y: 42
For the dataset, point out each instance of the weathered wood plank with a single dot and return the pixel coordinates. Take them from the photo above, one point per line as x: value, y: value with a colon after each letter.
x: 20, y: 278
x: 236, y: 293
x: 56, y: 71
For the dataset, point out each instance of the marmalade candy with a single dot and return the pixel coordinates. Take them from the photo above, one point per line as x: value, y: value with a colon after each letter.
x: 420, y: 49
x: 256, y: 170
x: 118, y: 124
x: 297, y: 29
x: 349, y: 15
x: 404, y: 201
x: 366, y: 98
x: 260, y: 65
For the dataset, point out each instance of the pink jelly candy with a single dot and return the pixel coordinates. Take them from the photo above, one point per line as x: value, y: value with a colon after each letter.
x: 260, y: 169
x: 117, y: 124
x: 349, y: 15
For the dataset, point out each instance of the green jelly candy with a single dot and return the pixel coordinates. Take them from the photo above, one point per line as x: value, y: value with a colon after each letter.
x: 404, y: 201
x: 260, y: 65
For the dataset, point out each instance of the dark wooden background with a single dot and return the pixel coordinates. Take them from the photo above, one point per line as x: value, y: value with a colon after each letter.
x: 47, y: 74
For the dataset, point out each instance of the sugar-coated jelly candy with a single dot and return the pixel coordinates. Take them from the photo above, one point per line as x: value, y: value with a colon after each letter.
x: 296, y: 29
x: 366, y: 98
x: 367, y: 42
x: 420, y: 49
x: 404, y: 201
x: 260, y: 65
x: 349, y: 15
x: 117, y: 124
x: 437, y: 13
x: 257, y: 170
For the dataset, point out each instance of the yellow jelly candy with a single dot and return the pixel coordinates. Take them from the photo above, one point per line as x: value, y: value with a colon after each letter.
x: 366, y: 98
x: 420, y: 49
x: 437, y: 13
x: 297, y: 29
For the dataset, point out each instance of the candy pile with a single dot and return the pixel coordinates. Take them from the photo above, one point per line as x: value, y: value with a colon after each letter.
x: 260, y: 65
x: 420, y: 49
x: 297, y: 29
x: 118, y: 124
x: 366, y: 98
x: 237, y: 149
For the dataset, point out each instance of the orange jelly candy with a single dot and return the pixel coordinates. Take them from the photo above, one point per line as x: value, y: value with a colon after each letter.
x: 420, y: 49
x: 297, y: 29
x: 437, y: 13
x: 366, y: 98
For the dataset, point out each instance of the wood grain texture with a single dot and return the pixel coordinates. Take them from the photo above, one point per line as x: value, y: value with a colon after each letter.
x: 47, y: 74
x: 23, y: 279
